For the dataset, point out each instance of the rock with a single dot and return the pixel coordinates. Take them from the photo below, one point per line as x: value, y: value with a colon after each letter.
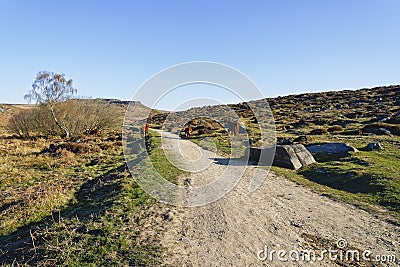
x: 373, y: 146
x: 382, y: 128
x: 287, y: 156
x: 385, y: 119
x: 2, y: 110
x: 284, y: 141
x: 302, y: 139
x: 261, y: 155
x: 303, y: 155
x: 287, y: 142
x: 384, y: 131
x: 327, y: 151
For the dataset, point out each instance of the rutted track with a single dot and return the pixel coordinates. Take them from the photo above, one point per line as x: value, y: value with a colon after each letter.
x: 278, y: 215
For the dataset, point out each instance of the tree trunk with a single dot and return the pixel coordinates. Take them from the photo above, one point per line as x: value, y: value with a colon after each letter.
x: 58, y: 123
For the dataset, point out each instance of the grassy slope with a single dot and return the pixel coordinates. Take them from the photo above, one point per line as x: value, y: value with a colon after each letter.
x: 160, y: 161
x: 368, y: 179
x: 87, y: 210
x: 76, y: 210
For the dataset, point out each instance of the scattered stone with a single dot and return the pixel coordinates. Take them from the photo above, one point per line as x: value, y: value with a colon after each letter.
x: 382, y: 128
x: 372, y: 146
x: 302, y: 139
x: 384, y: 131
x: 284, y: 141
x: 328, y: 151
x: 2, y: 110
x: 385, y: 119
x: 295, y: 224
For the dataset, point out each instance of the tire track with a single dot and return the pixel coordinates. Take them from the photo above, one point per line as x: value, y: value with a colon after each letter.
x: 278, y: 215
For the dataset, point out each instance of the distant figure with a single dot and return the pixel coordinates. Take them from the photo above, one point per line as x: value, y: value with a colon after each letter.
x: 234, y: 128
x: 145, y: 129
x: 188, y: 131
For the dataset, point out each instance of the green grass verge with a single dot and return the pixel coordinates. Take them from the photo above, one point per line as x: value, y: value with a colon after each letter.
x: 159, y: 161
x: 368, y: 179
x: 102, y: 219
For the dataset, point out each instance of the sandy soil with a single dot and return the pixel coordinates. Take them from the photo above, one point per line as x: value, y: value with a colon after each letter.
x: 280, y: 215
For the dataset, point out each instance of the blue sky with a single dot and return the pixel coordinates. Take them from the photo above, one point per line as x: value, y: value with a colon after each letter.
x: 109, y: 48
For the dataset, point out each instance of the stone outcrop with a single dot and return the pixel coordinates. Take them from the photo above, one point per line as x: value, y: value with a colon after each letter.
x: 327, y: 151
x: 287, y: 156
x: 372, y: 146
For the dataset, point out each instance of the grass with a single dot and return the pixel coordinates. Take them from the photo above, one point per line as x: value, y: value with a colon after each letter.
x: 77, y: 209
x: 160, y: 161
x: 220, y: 143
x: 368, y: 179
x: 85, y: 209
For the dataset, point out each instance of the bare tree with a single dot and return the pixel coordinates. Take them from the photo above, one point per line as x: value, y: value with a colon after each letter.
x: 51, y: 88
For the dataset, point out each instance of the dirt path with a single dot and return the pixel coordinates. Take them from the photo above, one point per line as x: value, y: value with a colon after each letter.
x: 280, y: 215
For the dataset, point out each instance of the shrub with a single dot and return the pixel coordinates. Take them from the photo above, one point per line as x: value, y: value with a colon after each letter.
x: 60, y: 149
x: 79, y: 116
x: 335, y: 129
x: 21, y: 124
x: 319, y: 131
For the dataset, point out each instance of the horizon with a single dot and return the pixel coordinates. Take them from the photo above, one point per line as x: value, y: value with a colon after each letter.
x: 212, y: 104
x: 286, y: 48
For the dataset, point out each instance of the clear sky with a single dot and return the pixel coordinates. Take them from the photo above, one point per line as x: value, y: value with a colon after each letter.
x: 109, y: 48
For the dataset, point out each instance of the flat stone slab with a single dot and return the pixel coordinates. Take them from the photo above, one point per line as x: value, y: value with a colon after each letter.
x: 327, y: 151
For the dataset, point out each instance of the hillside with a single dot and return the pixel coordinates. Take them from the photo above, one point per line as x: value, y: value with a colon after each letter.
x: 74, y: 202
x: 297, y: 114
x: 357, y: 117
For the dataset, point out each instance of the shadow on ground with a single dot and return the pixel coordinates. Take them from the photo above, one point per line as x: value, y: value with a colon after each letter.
x: 92, y: 198
x: 236, y: 162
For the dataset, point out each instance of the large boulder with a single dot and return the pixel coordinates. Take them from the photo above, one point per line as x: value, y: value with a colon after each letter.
x: 304, y: 156
x: 287, y: 156
x: 328, y: 151
x: 261, y: 155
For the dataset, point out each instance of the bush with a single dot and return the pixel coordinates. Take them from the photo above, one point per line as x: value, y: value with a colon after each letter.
x: 335, y: 129
x: 79, y: 116
x: 319, y: 131
x: 21, y: 124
